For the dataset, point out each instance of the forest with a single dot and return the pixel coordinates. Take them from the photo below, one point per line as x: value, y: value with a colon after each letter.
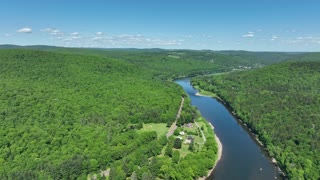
x: 280, y: 103
x: 74, y: 116
x: 74, y: 113
x: 171, y: 64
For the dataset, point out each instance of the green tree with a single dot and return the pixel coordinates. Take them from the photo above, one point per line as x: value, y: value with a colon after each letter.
x: 177, y: 143
x: 176, y: 156
x: 168, y: 151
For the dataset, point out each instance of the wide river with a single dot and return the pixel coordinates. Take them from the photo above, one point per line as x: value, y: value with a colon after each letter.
x: 242, y: 157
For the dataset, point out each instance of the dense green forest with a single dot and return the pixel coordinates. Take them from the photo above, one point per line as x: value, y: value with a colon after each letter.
x: 281, y: 104
x: 65, y: 116
x: 71, y: 112
x: 170, y: 64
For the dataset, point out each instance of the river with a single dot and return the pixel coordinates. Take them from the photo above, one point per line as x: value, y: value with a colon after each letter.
x: 242, y: 157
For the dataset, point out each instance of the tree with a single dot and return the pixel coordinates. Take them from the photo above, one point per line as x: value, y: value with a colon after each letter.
x: 191, y: 146
x: 168, y: 151
x: 177, y: 143
x: 117, y: 173
x: 176, y: 156
x: 93, y: 165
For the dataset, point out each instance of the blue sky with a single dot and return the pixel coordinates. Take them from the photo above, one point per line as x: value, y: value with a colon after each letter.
x: 256, y: 25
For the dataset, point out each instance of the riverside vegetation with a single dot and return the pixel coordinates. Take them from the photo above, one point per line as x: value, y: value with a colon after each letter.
x: 281, y: 104
x: 71, y: 113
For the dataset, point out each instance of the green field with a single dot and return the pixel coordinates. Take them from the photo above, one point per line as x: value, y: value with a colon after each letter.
x: 160, y: 128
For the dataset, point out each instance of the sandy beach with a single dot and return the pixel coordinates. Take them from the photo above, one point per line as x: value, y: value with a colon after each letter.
x: 198, y: 94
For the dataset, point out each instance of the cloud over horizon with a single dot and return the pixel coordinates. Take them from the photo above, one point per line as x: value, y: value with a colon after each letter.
x: 99, y: 33
x: 52, y: 31
x: 248, y: 35
x: 25, y: 30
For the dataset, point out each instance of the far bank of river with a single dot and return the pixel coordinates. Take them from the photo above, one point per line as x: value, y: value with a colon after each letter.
x: 242, y: 157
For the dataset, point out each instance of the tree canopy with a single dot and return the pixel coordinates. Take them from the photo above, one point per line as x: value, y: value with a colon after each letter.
x: 64, y: 116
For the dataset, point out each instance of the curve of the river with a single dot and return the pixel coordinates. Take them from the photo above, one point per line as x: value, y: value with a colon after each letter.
x: 242, y: 157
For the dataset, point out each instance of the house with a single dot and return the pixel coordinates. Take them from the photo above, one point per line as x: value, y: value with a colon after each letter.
x: 189, y: 140
x: 182, y: 133
x: 190, y: 125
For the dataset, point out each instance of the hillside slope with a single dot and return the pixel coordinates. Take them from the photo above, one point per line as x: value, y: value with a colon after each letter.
x: 60, y: 109
x: 281, y: 104
x: 66, y: 116
x: 170, y: 64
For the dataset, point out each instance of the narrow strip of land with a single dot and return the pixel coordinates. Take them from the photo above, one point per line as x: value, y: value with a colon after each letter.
x: 174, y: 125
x: 203, y: 136
x: 219, y: 154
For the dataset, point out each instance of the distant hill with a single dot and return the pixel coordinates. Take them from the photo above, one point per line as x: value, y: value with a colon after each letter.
x: 266, y: 58
x: 281, y: 104
x: 176, y: 63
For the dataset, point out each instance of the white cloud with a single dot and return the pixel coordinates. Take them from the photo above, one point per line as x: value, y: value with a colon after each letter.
x: 129, y: 40
x: 290, y: 30
x: 67, y: 39
x: 274, y: 37
x: 47, y: 30
x: 25, y: 30
x: 187, y: 36
x: 75, y: 34
x: 99, y: 33
x: 249, y: 35
x: 7, y: 35
x: 219, y: 41
x: 53, y: 32
x: 97, y: 38
x: 206, y: 36
x: 75, y: 37
x: 310, y: 40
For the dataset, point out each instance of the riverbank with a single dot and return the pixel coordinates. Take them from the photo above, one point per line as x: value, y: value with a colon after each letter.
x: 247, y: 127
x: 219, y: 154
x: 247, y: 156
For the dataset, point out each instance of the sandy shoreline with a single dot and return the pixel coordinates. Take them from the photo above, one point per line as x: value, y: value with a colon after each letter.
x: 198, y: 94
x: 219, y: 154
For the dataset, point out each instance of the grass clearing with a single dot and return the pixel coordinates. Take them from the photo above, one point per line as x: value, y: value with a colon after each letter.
x: 184, y: 150
x: 207, y: 130
x: 160, y: 128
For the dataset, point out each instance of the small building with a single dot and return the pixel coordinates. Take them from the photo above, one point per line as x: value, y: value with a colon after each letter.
x: 182, y: 133
x: 188, y: 140
x: 190, y: 125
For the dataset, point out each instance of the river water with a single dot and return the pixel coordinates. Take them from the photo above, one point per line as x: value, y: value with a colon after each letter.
x: 242, y: 157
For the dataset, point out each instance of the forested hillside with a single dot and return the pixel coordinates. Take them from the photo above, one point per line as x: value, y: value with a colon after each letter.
x: 280, y: 103
x: 64, y: 116
x: 170, y: 64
